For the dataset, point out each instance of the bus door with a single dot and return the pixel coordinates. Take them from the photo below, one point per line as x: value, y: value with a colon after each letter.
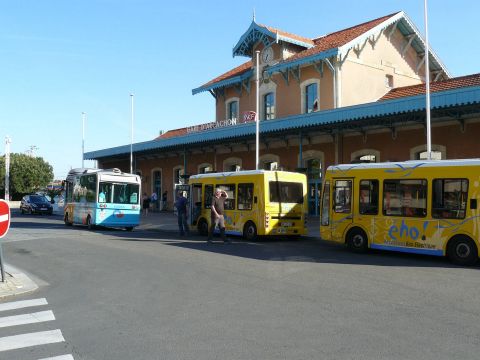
x: 342, y: 209
x: 195, y: 203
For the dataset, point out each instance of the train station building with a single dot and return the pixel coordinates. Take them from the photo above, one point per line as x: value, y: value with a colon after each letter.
x: 353, y: 95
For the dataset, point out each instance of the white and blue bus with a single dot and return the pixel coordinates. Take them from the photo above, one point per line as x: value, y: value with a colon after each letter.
x: 96, y: 197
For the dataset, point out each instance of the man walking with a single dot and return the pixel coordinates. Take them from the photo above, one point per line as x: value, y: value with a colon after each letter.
x: 217, y: 211
x: 181, y: 205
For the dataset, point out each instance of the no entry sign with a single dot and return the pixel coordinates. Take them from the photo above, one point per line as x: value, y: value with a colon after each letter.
x: 4, y: 218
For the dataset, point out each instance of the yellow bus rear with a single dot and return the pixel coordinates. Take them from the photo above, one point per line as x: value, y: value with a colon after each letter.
x: 259, y: 202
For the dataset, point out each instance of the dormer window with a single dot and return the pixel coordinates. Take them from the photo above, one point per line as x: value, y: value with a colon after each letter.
x: 232, y: 109
x: 389, y: 81
x: 311, y: 99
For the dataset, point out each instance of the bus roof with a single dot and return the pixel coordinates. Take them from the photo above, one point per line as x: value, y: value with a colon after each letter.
x: 237, y: 173
x: 408, y: 164
x: 81, y: 171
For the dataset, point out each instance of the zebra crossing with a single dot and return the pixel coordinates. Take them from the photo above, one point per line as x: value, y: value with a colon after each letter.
x: 11, y: 343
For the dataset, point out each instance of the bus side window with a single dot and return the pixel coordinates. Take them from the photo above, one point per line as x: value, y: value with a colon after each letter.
x: 230, y: 190
x: 245, y: 196
x: 208, y: 196
x: 368, y: 197
x: 449, y: 200
x: 343, y: 196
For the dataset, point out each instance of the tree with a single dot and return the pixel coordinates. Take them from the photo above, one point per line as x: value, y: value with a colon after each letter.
x: 27, y: 174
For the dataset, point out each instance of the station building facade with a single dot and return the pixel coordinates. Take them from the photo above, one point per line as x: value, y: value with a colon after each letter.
x: 357, y: 94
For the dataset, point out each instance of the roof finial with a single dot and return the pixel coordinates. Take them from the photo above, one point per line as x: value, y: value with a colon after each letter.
x: 253, y: 14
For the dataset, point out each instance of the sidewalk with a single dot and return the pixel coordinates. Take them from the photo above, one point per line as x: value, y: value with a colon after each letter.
x: 166, y: 221
x: 16, y: 283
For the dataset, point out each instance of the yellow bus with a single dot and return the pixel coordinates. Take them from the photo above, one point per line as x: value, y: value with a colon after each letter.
x: 259, y: 202
x: 423, y: 207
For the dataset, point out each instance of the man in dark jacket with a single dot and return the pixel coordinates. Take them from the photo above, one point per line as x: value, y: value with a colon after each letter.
x: 181, y: 205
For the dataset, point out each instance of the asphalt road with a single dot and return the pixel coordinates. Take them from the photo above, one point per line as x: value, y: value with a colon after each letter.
x: 152, y: 295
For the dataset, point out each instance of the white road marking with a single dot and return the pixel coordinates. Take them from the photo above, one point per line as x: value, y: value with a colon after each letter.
x: 3, y: 218
x: 32, y: 318
x: 62, y: 357
x: 22, y: 304
x: 30, y: 339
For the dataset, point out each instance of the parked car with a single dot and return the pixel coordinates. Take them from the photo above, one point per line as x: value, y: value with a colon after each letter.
x: 35, y: 204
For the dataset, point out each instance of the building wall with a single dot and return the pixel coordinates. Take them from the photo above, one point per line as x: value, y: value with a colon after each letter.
x: 363, y: 76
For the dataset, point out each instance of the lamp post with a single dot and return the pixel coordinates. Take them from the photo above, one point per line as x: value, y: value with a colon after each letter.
x: 83, y: 138
x: 7, y: 168
x: 131, y: 136
x: 427, y: 85
x: 257, y: 119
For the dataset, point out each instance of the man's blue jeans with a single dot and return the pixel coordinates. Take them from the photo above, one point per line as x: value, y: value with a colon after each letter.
x: 182, y: 224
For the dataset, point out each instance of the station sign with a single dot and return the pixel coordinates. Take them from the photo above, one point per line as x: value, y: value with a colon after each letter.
x: 248, y: 116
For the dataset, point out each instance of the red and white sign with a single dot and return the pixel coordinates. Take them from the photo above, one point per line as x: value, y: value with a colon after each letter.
x: 4, y: 217
x: 249, y: 116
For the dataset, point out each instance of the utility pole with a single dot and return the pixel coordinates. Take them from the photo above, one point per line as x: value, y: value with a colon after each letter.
x: 427, y: 85
x: 7, y: 168
x: 83, y: 138
x: 257, y: 117
x: 131, y: 138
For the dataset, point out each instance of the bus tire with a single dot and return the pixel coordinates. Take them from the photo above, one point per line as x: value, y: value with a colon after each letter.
x: 202, y: 227
x: 357, y: 240
x: 461, y: 250
x: 89, y: 223
x: 129, y: 228
x: 65, y: 220
x: 250, y: 231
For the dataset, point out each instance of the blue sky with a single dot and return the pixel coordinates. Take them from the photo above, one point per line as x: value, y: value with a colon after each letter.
x: 60, y: 58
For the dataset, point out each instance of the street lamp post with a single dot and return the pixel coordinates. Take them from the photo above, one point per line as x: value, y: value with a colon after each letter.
x: 7, y: 168
x: 131, y: 136
x: 427, y: 86
x: 257, y: 118
x: 83, y: 138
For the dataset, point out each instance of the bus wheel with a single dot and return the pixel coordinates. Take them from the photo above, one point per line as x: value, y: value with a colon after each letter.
x: 462, y: 251
x: 202, y: 227
x: 357, y: 240
x: 65, y: 220
x: 89, y: 223
x: 129, y: 228
x: 250, y: 231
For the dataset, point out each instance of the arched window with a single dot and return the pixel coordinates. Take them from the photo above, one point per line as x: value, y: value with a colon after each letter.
x: 232, y: 108
x: 310, y: 92
x: 439, y: 152
x: 269, y: 106
x: 205, y: 168
x: 232, y: 164
x: 365, y: 156
x: 269, y: 162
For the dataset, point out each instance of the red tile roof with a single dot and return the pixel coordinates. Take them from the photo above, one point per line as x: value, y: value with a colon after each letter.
x: 453, y: 83
x: 172, y: 133
x: 234, y: 72
x: 339, y: 38
x: 321, y: 44
x: 289, y: 35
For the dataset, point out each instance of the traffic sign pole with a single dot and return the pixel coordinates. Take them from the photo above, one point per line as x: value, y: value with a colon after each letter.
x: 4, y: 226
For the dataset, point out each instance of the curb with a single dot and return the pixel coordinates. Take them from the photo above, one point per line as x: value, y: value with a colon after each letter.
x: 16, y: 283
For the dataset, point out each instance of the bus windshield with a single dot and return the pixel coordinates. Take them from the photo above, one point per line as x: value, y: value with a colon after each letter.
x: 118, y: 193
x: 286, y: 192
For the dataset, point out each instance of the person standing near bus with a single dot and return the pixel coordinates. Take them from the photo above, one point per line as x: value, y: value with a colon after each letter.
x: 217, y: 214
x: 145, y: 203
x: 181, y: 205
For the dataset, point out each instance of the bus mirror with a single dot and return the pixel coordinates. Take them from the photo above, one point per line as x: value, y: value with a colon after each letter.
x: 254, y: 199
x: 473, y: 204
